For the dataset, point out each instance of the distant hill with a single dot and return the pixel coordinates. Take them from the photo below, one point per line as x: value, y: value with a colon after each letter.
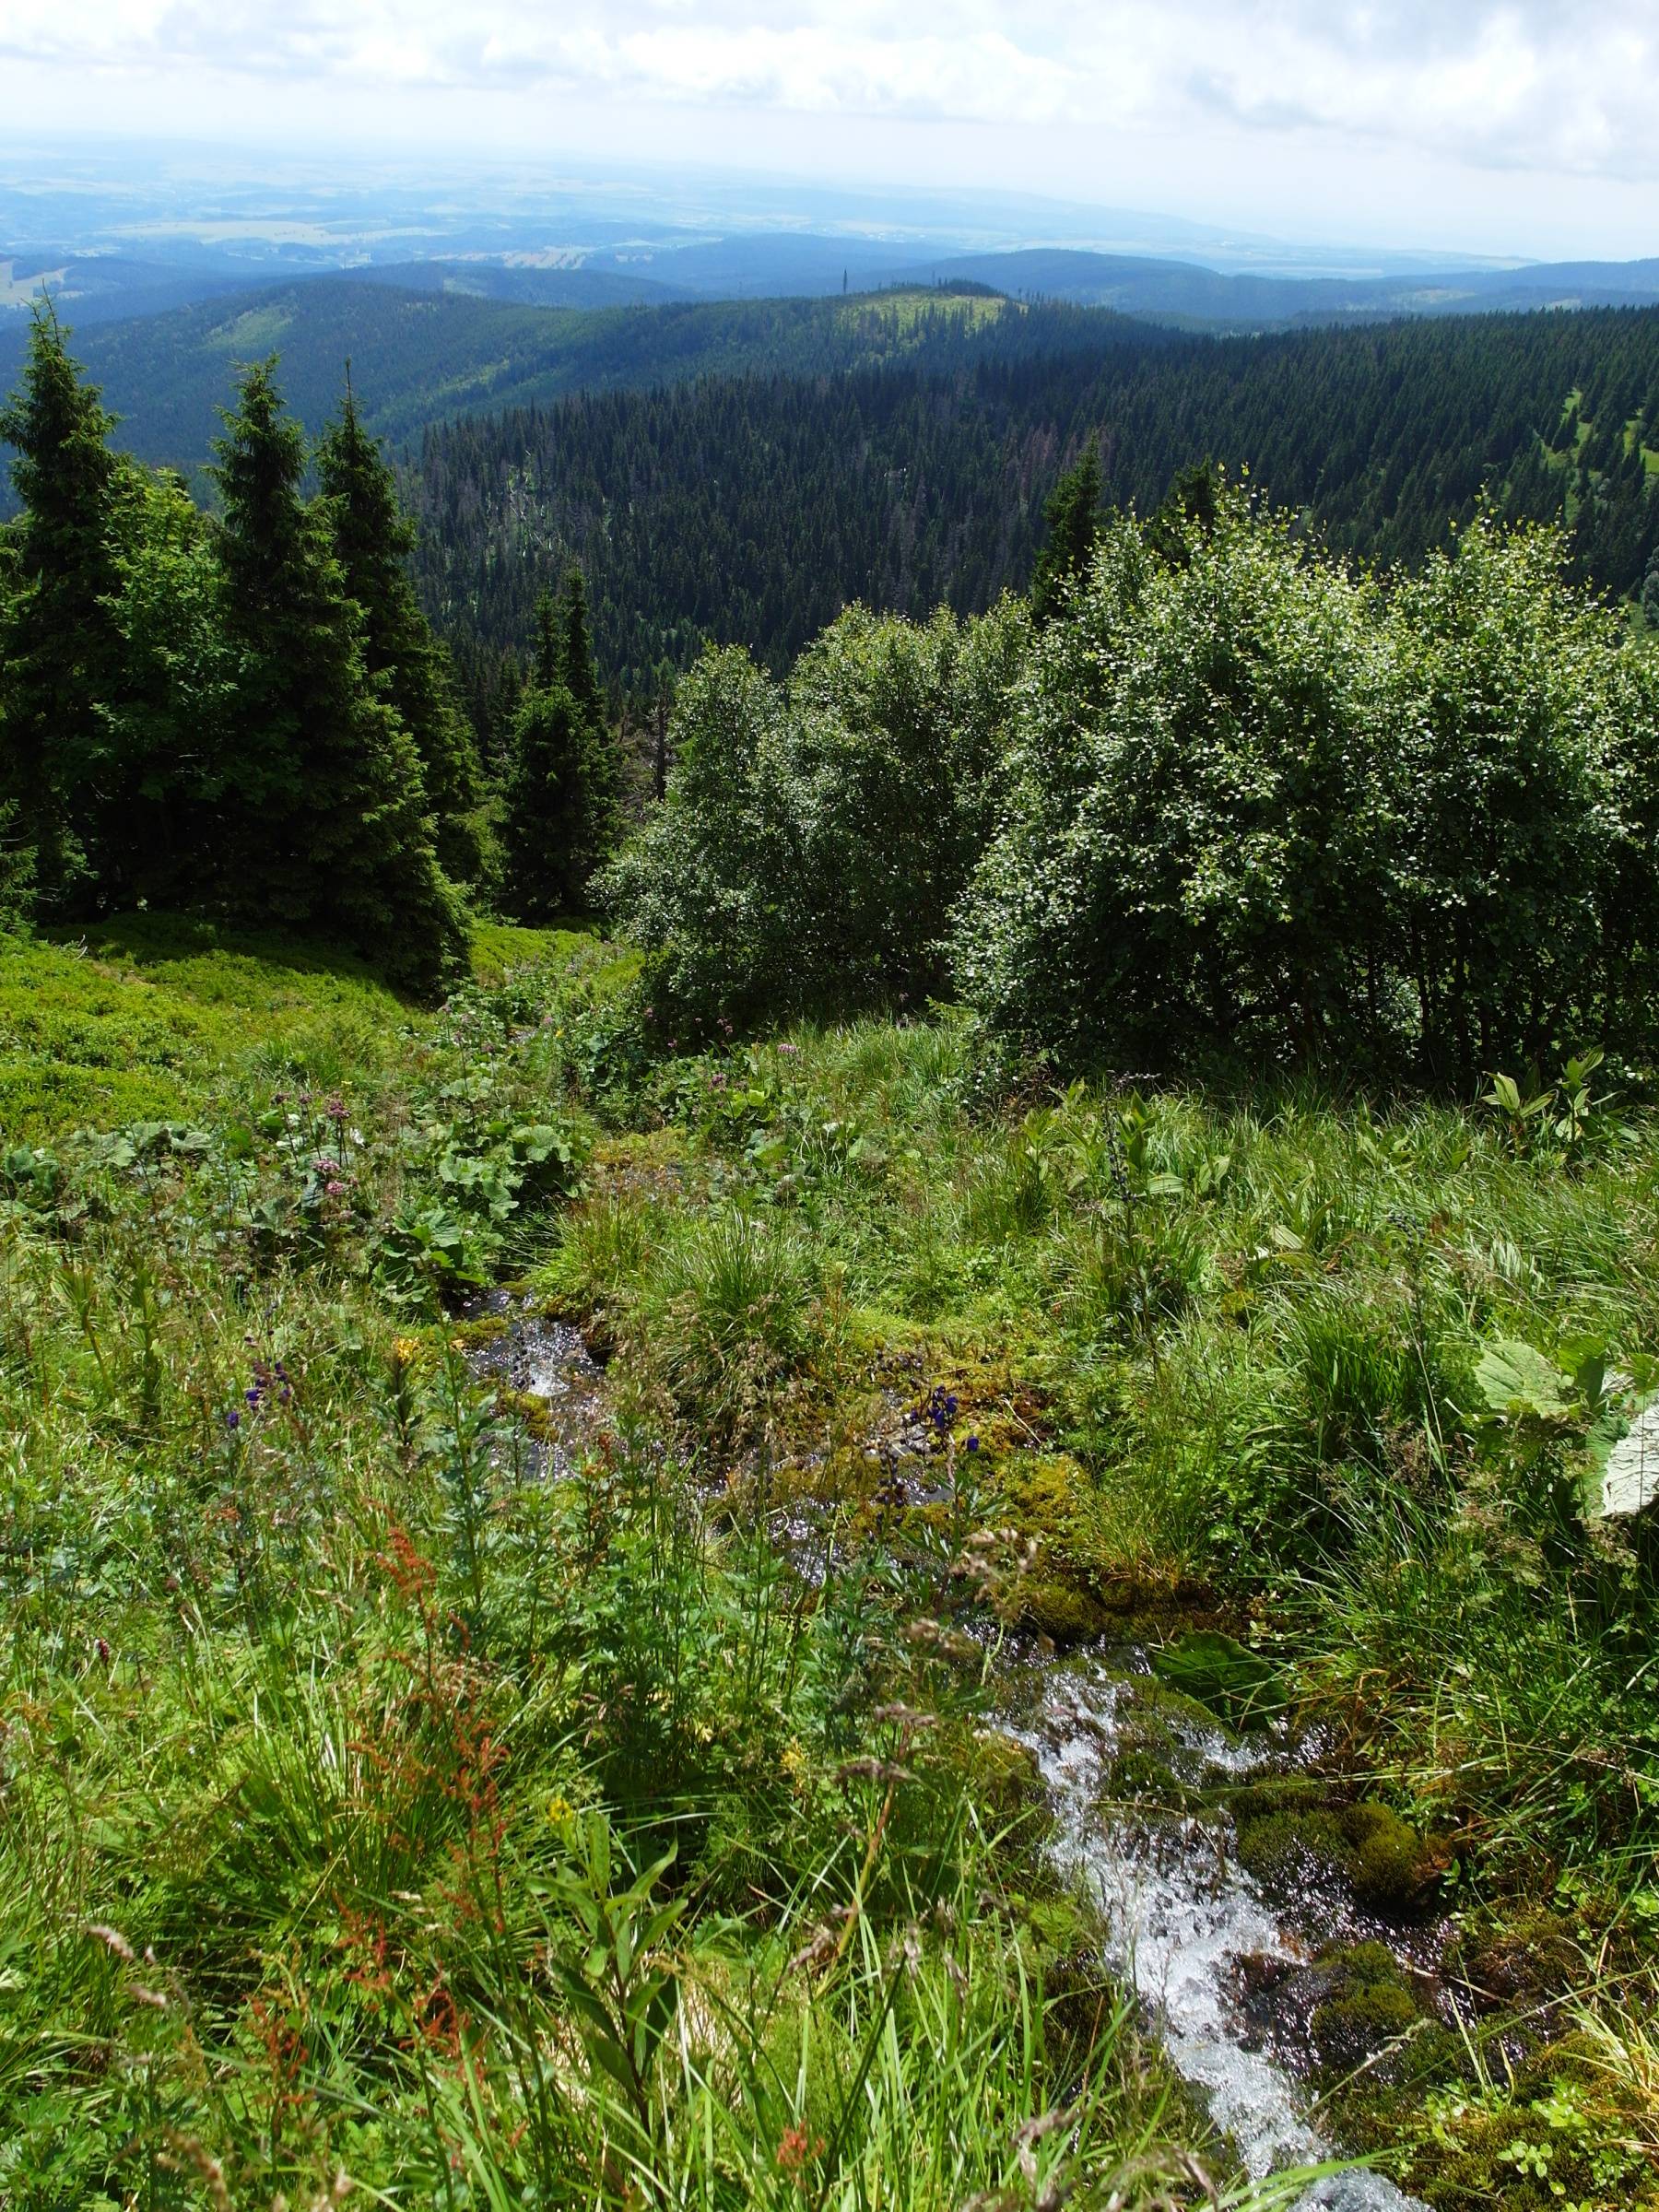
x: 1187, y: 293
x: 533, y: 284
x: 750, y: 509
x: 424, y: 356
x: 103, y: 287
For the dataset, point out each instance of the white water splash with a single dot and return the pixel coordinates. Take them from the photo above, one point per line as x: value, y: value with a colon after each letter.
x: 1180, y: 1915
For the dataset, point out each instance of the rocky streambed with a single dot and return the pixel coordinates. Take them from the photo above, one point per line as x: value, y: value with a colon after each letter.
x: 1153, y: 1799
x: 1261, y: 1916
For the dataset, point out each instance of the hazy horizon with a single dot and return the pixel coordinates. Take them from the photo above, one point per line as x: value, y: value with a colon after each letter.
x: 1517, y: 132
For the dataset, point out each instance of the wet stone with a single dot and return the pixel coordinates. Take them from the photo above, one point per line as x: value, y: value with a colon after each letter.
x: 547, y: 1375
x: 1230, y: 1982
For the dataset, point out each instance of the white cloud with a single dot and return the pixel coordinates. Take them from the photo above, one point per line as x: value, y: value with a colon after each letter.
x: 1563, y: 85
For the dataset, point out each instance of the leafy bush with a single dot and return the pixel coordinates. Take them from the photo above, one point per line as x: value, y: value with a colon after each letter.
x: 815, y: 836
x: 1261, y: 805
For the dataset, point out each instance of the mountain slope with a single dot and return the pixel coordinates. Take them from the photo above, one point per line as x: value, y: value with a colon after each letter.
x: 750, y: 509
x: 423, y: 356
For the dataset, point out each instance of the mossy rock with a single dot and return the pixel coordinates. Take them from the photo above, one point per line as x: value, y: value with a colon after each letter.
x: 532, y: 1414
x: 1058, y: 1610
x: 1141, y: 1777
x: 1521, y: 1957
x: 473, y: 1335
x: 1285, y: 1824
x: 1367, y: 2004
x: 1046, y: 1499
x: 1161, y: 1707
x: 1155, y: 1760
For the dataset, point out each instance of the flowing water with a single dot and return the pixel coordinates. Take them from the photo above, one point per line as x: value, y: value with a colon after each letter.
x: 1187, y: 1926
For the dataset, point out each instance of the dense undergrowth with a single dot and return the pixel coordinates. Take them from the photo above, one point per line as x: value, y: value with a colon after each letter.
x: 374, y: 1810
x: 375, y: 1814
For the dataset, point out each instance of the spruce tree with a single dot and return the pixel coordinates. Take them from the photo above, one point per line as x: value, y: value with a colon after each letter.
x: 575, y: 649
x: 547, y: 658
x: 59, y: 655
x: 322, y: 813
x: 544, y: 836
x: 560, y: 790
x: 1073, y: 516
x: 1189, y: 515
x: 372, y: 539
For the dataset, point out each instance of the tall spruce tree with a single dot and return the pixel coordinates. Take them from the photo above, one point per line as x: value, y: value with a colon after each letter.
x: 373, y: 539
x: 1073, y: 514
x: 1190, y: 513
x: 321, y: 807
x: 575, y: 647
x: 59, y: 653
x: 562, y: 812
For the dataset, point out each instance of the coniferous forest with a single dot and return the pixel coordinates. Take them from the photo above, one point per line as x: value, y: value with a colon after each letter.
x: 749, y: 509
x: 828, y: 1349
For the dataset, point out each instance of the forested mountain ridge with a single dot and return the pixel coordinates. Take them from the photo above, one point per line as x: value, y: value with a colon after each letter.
x: 423, y: 356
x: 750, y: 509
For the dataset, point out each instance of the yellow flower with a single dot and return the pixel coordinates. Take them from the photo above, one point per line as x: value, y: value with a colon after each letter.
x: 405, y: 1350
x: 793, y: 1763
x: 559, y: 1810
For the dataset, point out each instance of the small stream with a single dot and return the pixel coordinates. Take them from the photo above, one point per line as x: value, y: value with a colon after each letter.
x: 1187, y: 1926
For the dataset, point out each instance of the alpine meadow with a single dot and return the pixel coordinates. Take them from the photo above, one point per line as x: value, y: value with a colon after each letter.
x: 829, y: 1186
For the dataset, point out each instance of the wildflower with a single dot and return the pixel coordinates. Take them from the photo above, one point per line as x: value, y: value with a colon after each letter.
x: 793, y: 1050
x: 335, y: 1187
x: 233, y: 1418
x: 405, y: 1350
x: 336, y: 1109
x: 795, y: 1764
x: 795, y: 2150
x: 559, y: 1810
x: 973, y: 1443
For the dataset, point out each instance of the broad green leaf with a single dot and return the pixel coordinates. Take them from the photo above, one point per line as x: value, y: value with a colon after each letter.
x: 1519, y: 1382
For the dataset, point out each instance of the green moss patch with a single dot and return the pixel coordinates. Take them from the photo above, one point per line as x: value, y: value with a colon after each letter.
x: 1288, y: 1825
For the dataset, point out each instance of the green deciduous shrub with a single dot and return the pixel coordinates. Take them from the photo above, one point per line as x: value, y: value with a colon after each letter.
x: 815, y: 835
x: 1261, y: 804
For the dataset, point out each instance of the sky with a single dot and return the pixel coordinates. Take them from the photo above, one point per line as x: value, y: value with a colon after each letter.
x: 1526, y: 128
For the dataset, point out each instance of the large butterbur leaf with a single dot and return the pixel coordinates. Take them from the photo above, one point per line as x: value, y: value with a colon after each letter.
x: 1519, y: 1383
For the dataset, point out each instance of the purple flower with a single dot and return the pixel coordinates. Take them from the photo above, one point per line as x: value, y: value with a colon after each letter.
x: 973, y: 1443
x: 233, y: 1418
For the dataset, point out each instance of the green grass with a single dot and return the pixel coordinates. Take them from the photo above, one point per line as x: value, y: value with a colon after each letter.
x: 371, y: 1805
x: 153, y: 1017
x: 374, y: 1810
x: 909, y: 309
